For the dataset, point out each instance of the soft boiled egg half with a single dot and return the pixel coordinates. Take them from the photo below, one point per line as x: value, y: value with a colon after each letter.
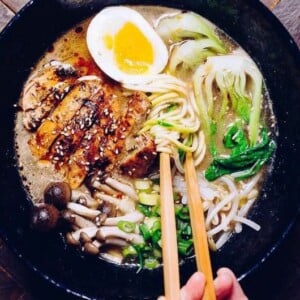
x: 125, y: 46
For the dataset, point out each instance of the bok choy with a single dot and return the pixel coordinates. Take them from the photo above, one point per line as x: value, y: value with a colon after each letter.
x: 195, y: 37
x: 244, y: 160
x: 236, y: 81
x: 233, y: 84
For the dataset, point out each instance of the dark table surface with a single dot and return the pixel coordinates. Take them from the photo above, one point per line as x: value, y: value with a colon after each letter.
x: 278, y: 278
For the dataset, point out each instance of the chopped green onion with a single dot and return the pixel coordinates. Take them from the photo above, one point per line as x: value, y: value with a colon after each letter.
x: 156, y: 236
x: 126, y: 226
x: 129, y: 251
x: 157, y: 252
x: 144, y: 209
x: 185, y: 247
x: 143, y: 184
x: 149, y: 199
x: 183, y: 213
x: 151, y: 263
x: 145, y: 232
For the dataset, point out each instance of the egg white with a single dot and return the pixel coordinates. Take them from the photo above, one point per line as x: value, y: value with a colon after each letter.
x: 108, y: 22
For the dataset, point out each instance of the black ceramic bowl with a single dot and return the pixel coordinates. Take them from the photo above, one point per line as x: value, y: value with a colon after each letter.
x: 249, y: 23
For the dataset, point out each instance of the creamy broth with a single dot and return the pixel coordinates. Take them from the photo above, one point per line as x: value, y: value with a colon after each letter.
x: 71, y: 48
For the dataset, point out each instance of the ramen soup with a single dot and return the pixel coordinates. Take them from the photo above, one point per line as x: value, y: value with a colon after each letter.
x: 110, y: 95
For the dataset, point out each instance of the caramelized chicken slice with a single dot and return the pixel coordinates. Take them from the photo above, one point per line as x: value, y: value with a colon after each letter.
x: 140, y: 157
x: 44, y: 91
x: 71, y: 136
x: 61, y: 116
x: 103, y: 143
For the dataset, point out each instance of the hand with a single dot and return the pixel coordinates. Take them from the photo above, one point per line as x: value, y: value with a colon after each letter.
x: 226, y: 287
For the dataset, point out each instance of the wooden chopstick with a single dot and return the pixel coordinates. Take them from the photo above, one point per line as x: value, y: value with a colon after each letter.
x: 198, y: 227
x: 168, y: 228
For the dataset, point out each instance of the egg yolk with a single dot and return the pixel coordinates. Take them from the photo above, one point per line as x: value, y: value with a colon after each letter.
x: 132, y: 50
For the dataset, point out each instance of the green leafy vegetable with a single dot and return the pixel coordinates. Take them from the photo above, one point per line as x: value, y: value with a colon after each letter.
x: 241, y: 104
x: 239, y: 87
x: 198, y: 40
x: 187, y: 26
x: 245, y: 160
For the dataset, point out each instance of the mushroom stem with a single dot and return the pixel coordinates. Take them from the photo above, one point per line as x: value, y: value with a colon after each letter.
x: 122, y: 187
x: 84, y: 198
x: 83, y: 210
x: 125, y: 205
x: 103, y: 187
x: 105, y: 232
x: 116, y: 242
x: 76, y: 220
x: 90, y: 231
x: 134, y: 217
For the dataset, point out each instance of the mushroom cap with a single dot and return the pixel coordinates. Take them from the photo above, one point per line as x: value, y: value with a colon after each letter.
x: 58, y: 194
x: 44, y: 217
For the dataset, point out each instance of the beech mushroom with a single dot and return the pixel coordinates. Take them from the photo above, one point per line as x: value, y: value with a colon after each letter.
x: 44, y: 217
x: 90, y: 248
x: 109, y: 209
x: 122, y: 187
x: 84, y: 199
x: 76, y: 220
x: 134, y: 217
x: 105, y: 232
x: 124, y: 205
x: 83, y: 210
x: 116, y: 242
x: 57, y: 194
x: 90, y: 231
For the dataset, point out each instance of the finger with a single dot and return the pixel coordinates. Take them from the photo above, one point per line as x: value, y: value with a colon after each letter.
x: 227, y: 286
x: 194, y: 288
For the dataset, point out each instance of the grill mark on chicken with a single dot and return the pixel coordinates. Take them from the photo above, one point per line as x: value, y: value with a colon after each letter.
x: 71, y: 136
x: 60, y: 117
x: 96, y: 147
x: 101, y: 153
x: 44, y: 91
